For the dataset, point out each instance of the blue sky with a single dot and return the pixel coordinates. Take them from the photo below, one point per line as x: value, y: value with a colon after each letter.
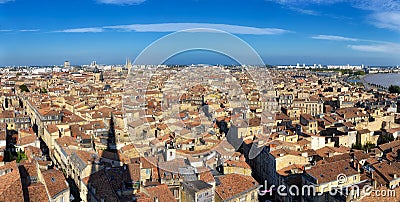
x: 48, y: 32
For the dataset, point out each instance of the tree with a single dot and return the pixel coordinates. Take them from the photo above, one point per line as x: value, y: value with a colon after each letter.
x: 20, y: 156
x: 385, y: 139
x: 23, y: 88
x: 358, y: 73
x: 394, y: 89
x: 43, y: 90
x: 356, y: 146
x: 368, y: 146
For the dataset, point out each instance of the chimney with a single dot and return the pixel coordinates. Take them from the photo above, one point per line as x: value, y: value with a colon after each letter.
x: 357, y: 166
x: 374, y: 184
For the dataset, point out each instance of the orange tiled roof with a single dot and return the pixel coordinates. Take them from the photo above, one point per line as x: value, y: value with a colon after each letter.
x: 161, y: 192
x: 234, y: 185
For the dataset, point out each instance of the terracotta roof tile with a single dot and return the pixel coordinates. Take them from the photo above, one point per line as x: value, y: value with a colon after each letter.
x: 161, y: 192
x: 55, y: 182
x: 231, y: 185
x: 11, y: 186
x: 37, y: 193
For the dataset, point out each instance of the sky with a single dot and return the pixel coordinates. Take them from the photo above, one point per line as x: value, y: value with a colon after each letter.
x: 49, y: 32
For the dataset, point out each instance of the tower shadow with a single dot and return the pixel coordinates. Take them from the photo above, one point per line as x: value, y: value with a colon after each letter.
x: 110, y: 179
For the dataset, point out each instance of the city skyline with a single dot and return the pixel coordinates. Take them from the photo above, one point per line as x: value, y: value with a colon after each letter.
x: 282, y: 32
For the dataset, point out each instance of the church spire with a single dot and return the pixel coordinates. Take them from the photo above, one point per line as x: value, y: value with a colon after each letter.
x: 128, y: 63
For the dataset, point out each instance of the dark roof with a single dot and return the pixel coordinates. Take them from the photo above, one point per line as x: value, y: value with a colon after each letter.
x: 55, y: 182
x: 330, y: 171
x: 197, y: 185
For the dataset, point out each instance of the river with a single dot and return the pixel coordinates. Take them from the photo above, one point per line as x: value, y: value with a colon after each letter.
x: 383, y: 79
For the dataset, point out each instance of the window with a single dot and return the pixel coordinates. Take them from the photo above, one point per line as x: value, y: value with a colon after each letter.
x: 33, y: 179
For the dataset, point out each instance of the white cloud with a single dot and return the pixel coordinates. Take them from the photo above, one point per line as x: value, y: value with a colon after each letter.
x: 29, y: 30
x: 373, y: 5
x: 5, y: 1
x: 300, y: 6
x: 304, y: 11
x: 81, y: 30
x: 21, y: 30
x: 121, y: 2
x: 383, y: 13
x: 305, y: 2
x: 388, y: 20
x: 172, y: 27
x: 382, y: 48
x: 334, y: 38
x: 377, y: 5
x: 365, y: 45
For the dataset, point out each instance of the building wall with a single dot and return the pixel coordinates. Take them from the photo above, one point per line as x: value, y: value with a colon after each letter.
x: 62, y: 197
x: 326, y: 187
x: 288, y: 160
x: 251, y: 196
x: 205, y: 195
x: 238, y: 170
x: 317, y: 142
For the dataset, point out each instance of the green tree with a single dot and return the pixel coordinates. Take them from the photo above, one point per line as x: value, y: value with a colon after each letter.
x: 43, y: 90
x: 23, y: 88
x: 20, y: 156
x: 357, y: 146
x: 394, y: 89
x: 385, y: 139
x: 358, y: 73
x: 368, y: 146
